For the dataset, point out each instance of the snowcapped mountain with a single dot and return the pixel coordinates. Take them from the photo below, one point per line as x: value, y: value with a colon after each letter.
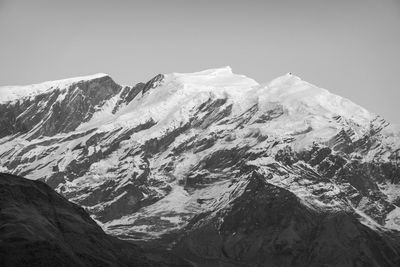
x: 215, y: 166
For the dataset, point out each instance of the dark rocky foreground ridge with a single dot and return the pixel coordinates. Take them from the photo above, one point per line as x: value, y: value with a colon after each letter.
x: 215, y: 168
x: 38, y: 227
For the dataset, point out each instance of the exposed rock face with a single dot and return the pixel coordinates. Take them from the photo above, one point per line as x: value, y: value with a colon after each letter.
x: 38, y: 227
x: 266, y: 225
x: 58, y: 110
x: 167, y: 163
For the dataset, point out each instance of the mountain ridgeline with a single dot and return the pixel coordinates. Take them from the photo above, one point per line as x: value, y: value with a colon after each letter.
x: 41, y: 228
x: 215, y: 167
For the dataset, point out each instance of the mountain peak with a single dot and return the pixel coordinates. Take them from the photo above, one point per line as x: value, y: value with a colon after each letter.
x: 226, y: 70
x: 287, y: 79
x: 296, y: 94
x: 14, y: 92
x: 212, y: 79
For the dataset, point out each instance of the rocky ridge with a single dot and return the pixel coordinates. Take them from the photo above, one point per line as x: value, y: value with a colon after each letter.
x: 41, y: 228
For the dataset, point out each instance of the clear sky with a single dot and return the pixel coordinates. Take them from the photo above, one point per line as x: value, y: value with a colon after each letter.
x: 351, y: 48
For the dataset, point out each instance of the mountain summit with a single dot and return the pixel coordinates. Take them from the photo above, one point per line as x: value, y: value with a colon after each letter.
x: 214, y: 166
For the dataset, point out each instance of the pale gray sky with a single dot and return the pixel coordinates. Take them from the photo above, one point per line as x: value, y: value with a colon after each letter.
x: 351, y: 48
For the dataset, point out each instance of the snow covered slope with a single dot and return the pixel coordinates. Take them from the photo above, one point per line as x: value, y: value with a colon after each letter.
x: 151, y: 161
